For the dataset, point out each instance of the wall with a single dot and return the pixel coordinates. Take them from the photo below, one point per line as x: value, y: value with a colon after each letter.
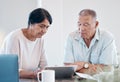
x: 14, y: 14
x: 54, y: 37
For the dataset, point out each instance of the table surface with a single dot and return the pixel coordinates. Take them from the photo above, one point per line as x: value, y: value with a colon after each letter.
x: 61, y: 80
x: 108, y: 77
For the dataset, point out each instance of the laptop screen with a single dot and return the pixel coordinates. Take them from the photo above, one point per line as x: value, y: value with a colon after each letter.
x: 9, y: 68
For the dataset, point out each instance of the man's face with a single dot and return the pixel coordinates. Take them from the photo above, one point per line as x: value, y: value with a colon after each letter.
x: 39, y: 29
x: 87, y: 26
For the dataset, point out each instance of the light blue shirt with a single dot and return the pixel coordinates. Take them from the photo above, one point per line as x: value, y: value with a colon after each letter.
x: 102, y: 49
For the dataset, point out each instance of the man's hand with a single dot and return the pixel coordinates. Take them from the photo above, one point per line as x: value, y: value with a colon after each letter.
x: 79, y: 65
x: 92, y: 69
x: 95, y: 68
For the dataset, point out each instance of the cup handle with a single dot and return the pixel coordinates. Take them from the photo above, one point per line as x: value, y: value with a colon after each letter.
x: 38, y: 76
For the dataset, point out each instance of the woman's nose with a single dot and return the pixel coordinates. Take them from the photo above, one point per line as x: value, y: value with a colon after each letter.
x: 44, y: 30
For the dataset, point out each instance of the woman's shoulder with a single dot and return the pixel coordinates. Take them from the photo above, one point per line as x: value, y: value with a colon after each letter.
x: 14, y: 34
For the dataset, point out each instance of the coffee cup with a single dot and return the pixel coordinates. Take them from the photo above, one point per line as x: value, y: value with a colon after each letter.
x: 46, y: 76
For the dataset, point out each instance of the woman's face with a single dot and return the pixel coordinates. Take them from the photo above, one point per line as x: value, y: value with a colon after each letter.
x: 39, y: 29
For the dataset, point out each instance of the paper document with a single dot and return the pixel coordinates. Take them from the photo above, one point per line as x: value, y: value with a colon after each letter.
x: 85, y: 76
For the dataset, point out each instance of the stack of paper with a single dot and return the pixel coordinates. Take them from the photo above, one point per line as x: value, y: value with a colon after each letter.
x: 85, y: 76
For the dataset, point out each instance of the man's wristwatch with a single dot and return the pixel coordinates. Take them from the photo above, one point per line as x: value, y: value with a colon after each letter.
x: 86, y: 65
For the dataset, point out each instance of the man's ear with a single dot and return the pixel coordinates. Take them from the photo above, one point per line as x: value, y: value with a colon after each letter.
x: 97, y: 23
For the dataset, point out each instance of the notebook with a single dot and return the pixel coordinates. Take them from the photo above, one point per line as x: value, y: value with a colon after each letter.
x: 9, y: 68
x: 62, y: 72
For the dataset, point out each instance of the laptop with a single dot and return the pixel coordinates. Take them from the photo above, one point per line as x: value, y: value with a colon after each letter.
x: 62, y: 72
x: 9, y: 68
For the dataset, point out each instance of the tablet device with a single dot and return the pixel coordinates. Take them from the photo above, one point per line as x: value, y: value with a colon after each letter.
x: 62, y: 72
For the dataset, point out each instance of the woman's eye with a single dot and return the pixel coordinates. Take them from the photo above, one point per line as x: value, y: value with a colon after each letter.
x: 42, y: 26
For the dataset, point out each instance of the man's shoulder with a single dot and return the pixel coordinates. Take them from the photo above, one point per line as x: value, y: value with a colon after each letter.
x: 106, y: 35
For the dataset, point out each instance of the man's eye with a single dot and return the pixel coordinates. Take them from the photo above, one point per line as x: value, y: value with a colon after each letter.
x: 86, y: 24
x: 79, y: 24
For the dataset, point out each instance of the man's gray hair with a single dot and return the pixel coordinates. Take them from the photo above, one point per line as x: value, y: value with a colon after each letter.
x: 86, y: 12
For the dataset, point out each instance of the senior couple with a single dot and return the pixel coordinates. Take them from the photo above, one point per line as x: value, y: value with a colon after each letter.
x: 88, y: 47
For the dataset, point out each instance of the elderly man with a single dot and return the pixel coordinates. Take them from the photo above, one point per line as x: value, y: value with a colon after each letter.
x: 90, y: 48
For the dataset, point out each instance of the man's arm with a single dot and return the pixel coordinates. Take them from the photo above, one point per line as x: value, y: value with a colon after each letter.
x: 96, y: 68
x: 79, y: 65
x: 92, y: 68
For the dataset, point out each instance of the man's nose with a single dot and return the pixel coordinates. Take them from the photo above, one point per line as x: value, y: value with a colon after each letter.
x: 81, y: 28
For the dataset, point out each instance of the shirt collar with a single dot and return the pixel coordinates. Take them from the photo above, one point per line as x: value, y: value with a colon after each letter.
x: 97, y: 34
x: 78, y: 38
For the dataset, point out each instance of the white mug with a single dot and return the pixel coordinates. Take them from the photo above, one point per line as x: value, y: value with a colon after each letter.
x: 46, y: 76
